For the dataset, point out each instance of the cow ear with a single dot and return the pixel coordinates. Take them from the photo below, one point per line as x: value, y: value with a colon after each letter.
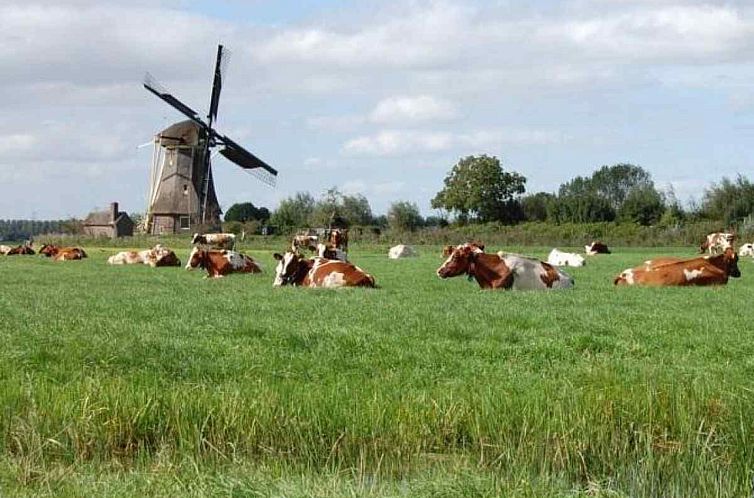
x: 277, y: 256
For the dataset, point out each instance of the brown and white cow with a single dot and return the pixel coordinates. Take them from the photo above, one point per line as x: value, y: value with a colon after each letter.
x: 20, y: 250
x: 58, y: 253
x: 293, y: 269
x: 664, y: 272
x: 448, y: 250
x: 304, y: 241
x: 338, y: 239
x: 596, y: 247
x: 327, y: 251
x: 717, y: 242
x: 503, y: 270
x: 159, y: 255
x: 219, y: 263
x: 215, y: 240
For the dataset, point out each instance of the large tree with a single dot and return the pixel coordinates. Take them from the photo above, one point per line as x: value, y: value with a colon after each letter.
x: 340, y: 209
x: 246, y: 211
x: 730, y: 200
x: 616, y: 182
x: 477, y: 186
x: 404, y: 216
x: 294, y: 211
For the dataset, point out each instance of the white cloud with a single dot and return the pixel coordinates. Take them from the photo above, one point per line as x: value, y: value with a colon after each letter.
x: 395, y: 142
x: 412, y: 109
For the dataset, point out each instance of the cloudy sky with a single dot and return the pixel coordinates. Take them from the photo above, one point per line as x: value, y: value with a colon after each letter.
x: 374, y: 97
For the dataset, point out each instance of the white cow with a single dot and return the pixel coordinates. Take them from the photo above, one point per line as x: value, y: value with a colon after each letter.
x: 560, y: 258
x: 746, y: 250
x: 401, y: 251
x: 5, y: 249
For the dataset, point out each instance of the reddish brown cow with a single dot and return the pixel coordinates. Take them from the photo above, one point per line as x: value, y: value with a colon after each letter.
x: 62, y: 253
x: 662, y: 272
x: 339, y: 239
x: 293, y: 269
x: 220, y: 263
x: 20, y: 250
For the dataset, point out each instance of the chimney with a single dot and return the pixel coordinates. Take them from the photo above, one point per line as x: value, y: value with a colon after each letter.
x: 113, y: 211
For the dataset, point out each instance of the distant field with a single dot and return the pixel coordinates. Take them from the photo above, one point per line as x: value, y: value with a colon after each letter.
x: 125, y: 381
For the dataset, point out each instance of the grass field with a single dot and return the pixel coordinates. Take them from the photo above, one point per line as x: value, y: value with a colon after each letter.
x: 125, y: 381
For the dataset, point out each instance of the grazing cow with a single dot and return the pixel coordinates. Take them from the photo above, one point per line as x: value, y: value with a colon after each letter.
x: 58, y: 253
x: 703, y: 270
x: 5, y: 249
x: 327, y: 251
x: 302, y: 241
x: 596, y: 247
x: 401, y: 251
x: 560, y: 258
x: 215, y: 240
x: 220, y: 263
x: 293, y: 269
x: 746, y: 250
x: 20, y: 250
x: 717, y: 242
x: 503, y: 271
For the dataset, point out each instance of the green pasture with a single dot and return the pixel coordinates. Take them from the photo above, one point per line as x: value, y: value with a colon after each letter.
x: 133, y: 381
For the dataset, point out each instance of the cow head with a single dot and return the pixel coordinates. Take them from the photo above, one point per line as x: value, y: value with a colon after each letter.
x: 731, y: 261
x: 196, y: 238
x: 197, y: 259
x: 290, y: 268
x: 460, y: 260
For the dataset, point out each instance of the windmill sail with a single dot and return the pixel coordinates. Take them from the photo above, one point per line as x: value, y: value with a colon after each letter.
x: 183, y: 192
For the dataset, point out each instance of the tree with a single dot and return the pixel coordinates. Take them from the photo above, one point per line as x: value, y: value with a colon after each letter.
x: 293, y: 211
x: 404, y: 216
x: 616, y: 182
x: 478, y: 186
x: 729, y: 201
x: 246, y: 211
x: 534, y: 206
x: 643, y: 205
x: 337, y: 209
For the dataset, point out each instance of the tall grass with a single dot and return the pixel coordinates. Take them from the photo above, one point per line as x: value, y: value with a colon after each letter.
x: 422, y: 386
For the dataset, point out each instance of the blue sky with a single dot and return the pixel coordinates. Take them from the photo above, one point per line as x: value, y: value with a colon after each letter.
x: 374, y: 97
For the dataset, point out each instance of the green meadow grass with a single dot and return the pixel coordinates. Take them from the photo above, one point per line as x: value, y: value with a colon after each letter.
x: 125, y: 381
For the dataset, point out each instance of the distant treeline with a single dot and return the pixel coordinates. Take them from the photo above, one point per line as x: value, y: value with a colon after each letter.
x: 26, y: 229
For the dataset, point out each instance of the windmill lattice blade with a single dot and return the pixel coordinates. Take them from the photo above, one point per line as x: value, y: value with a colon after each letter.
x: 151, y: 84
x: 221, y: 65
x: 263, y: 176
x: 242, y: 157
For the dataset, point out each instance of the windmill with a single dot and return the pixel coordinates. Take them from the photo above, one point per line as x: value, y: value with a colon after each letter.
x: 181, y: 191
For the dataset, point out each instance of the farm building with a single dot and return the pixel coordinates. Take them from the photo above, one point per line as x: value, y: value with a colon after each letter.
x: 109, y: 223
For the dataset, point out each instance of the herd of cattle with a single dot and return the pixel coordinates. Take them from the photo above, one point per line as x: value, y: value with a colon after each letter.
x: 328, y: 265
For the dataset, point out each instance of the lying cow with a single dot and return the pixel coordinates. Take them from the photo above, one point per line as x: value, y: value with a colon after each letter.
x: 301, y: 241
x: 158, y: 256
x: 338, y: 238
x: 448, y: 250
x: 746, y: 250
x: 58, y: 253
x: 215, y: 240
x: 401, y: 251
x: 293, y: 269
x: 503, y: 271
x: 560, y: 258
x: 717, y: 242
x: 20, y: 250
x: 220, y: 263
x: 5, y: 249
x: 327, y: 251
x: 703, y: 270
x: 596, y: 247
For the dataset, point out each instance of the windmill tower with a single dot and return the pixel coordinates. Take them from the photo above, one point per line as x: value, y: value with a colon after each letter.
x: 181, y: 190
